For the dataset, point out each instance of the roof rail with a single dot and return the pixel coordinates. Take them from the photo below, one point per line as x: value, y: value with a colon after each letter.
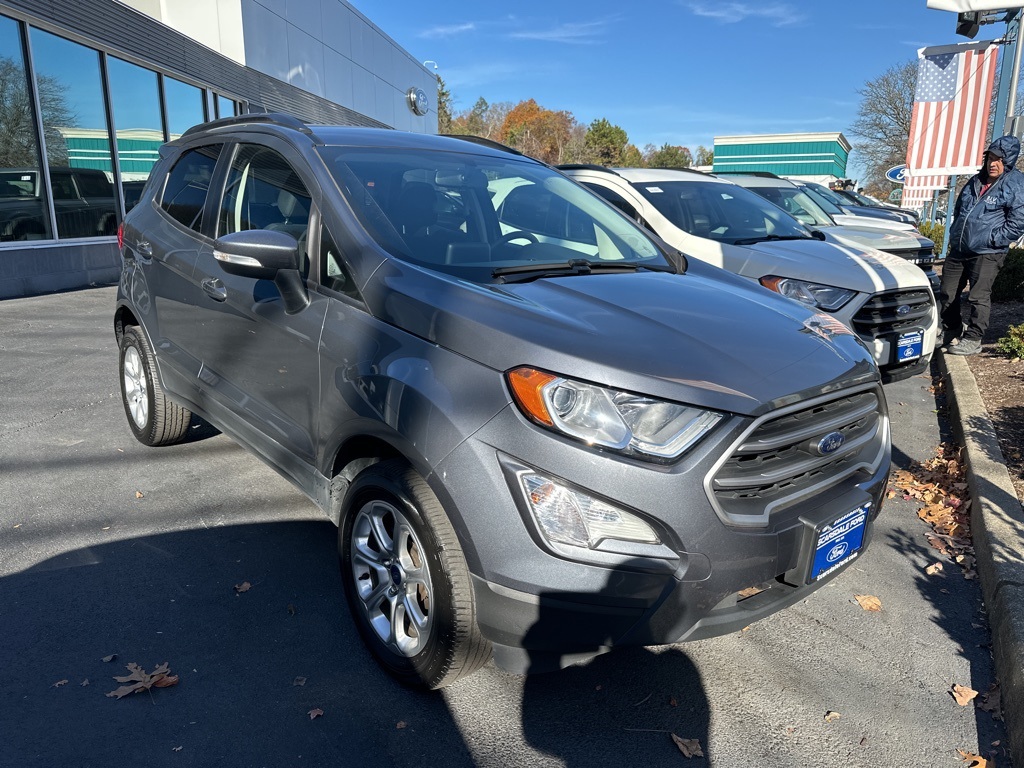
x: 484, y: 142
x: 586, y: 167
x: 762, y: 174
x: 266, y: 118
x: 687, y: 170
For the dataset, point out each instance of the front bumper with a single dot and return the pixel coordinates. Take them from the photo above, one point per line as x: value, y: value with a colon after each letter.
x: 543, y: 610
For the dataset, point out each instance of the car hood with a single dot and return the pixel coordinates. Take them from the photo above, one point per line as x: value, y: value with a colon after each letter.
x: 705, y: 337
x: 857, y: 268
x: 878, y: 222
x: 877, y: 237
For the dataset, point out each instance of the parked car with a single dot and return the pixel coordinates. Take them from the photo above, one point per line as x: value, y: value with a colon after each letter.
x: 885, y: 300
x: 83, y: 199
x: 843, y: 213
x: 545, y: 437
x: 909, y: 245
x: 858, y: 205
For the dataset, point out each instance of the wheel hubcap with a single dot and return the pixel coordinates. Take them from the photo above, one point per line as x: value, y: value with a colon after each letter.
x: 391, y: 577
x: 136, y: 388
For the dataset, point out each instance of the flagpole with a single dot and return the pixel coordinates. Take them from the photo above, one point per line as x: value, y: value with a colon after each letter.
x: 949, y: 219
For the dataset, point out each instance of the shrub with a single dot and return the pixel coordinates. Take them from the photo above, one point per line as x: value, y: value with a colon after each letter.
x: 1012, y: 344
x: 1009, y: 284
x: 933, y: 232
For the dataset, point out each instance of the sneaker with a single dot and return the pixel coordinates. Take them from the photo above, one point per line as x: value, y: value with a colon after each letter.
x: 949, y: 343
x: 966, y: 347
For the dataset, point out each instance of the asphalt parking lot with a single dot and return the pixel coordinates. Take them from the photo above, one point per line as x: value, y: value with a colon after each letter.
x: 110, y: 548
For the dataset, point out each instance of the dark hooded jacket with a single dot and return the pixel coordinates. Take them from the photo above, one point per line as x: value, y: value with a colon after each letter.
x: 989, y: 223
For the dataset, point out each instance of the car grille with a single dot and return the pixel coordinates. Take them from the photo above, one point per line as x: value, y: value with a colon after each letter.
x: 915, y: 255
x: 778, y: 464
x: 881, y: 316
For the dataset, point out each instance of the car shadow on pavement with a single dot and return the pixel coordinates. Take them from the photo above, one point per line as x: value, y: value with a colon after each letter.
x: 252, y: 620
x: 619, y: 709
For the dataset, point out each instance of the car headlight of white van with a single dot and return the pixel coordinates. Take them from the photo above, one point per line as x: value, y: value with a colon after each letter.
x: 816, y: 295
x: 622, y: 421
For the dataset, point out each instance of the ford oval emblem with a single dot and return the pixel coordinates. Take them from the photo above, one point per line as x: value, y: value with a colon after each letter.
x: 830, y: 443
x: 837, y: 552
x: 903, y: 309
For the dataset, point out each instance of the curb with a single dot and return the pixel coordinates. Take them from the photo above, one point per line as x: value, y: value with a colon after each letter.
x: 997, y: 523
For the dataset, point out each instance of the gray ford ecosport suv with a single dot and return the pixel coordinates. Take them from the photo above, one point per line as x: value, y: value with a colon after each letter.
x: 545, y: 443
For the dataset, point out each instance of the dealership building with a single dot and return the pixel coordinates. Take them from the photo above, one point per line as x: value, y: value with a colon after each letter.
x: 89, y: 89
x: 819, y: 157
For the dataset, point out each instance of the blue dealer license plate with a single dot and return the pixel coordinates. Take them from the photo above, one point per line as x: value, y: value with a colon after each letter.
x: 839, y: 542
x: 909, y: 346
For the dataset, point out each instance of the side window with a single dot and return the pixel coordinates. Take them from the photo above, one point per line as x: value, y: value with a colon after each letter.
x: 333, y: 272
x: 187, y: 184
x: 264, y: 192
x: 615, y: 199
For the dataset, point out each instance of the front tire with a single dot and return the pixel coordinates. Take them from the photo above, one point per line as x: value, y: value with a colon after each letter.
x: 154, y: 419
x: 406, y: 579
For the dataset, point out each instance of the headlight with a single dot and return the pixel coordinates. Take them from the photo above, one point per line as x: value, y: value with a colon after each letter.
x: 816, y: 295
x: 624, y: 422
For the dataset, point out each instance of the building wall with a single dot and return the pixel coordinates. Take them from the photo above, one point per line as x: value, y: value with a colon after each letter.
x: 318, y: 59
x: 803, y: 155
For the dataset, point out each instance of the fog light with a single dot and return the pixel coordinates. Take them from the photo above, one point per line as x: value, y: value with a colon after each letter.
x: 569, y: 517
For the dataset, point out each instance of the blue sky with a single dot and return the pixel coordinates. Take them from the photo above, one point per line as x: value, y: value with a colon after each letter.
x: 676, y: 71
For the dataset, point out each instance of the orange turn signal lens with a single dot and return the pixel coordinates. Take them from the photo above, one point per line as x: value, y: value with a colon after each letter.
x: 526, y: 385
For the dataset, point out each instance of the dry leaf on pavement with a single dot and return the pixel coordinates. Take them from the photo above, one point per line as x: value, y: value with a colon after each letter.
x: 245, y: 586
x: 315, y: 713
x: 141, y: 680
x: 109, y: 658
x: 932, y: 569
x: 991, y: 702
x: 60, y: 683
x: 962, y: 694
x: 973, y: 760
x: 400, y: 725
x: 868, y: 602
x: 139, y: 494
x: 689, y: 747
x: 299, y: 681
x: 831, y: 716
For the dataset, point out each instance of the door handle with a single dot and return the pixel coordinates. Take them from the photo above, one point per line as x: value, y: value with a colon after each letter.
x: 215, y: 289
x: 144, y: 247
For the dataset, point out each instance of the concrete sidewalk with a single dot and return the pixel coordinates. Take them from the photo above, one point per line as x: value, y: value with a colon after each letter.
x: 997, y: 522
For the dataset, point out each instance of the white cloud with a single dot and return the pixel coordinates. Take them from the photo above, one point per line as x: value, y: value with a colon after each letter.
x: 581, y: 33
x: 447, y: 31
x: 777, y: 14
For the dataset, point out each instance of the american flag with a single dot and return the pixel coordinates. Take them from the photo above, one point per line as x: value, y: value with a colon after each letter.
x: 951, y: 106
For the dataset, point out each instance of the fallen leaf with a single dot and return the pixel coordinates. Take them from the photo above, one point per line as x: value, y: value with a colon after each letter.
x: 973, y: 760
x: 111, y: 657
x: 831, y: 717
x: 59, y: 683
x: 868, y: 602
x: 315, y: 713
x: 175, y: 749
x: 84, y: 682
x: 400, y: 725
x: 245, y: 586
x: 291, y: 609
x: 18, y: 525
x: 689, y: 747
x: 672, y: 701
x: 597, y: 688
x: 932, y: 569
x: 299, y: 681
x: 141, y: 680
x: 139, y: 494
x: 962, y: 694
x: 991, y: 702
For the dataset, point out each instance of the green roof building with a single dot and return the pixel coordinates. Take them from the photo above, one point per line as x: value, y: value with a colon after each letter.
x: 820, y: 157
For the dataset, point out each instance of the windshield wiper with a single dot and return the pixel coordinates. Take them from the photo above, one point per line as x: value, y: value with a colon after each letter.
x: 765, y: 238
x: 522, y: 273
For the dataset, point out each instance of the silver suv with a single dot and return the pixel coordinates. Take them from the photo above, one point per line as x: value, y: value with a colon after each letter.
x: 541, y: 432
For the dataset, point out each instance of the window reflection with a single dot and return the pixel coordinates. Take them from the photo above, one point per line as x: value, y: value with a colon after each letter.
x: 135, y: 98
x: 23, y: 210
x: 76, y: 134
x: 226, y: 107
x: 184, y: 106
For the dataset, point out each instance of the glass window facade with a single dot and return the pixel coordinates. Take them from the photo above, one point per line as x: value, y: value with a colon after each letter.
x: 78, y: 86
x: 24, y: 213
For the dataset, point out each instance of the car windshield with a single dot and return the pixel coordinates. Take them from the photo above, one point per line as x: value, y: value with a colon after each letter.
x: 828, y: 206
x: 719, y: 211
x: 469, y: 215
x: 796, y: 203
x: 827, y: 194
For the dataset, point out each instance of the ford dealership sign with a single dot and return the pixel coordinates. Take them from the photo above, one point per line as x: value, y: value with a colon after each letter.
x: 897, y: 174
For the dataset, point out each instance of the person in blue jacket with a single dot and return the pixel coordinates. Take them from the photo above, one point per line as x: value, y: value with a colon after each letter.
x: 989, y: 215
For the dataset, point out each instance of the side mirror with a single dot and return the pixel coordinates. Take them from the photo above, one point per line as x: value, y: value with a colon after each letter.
x: 256, y: 253
x: 817, y: 234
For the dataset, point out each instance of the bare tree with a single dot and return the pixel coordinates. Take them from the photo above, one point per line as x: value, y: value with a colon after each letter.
x: 18, y: 148
x: 883, y: 122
